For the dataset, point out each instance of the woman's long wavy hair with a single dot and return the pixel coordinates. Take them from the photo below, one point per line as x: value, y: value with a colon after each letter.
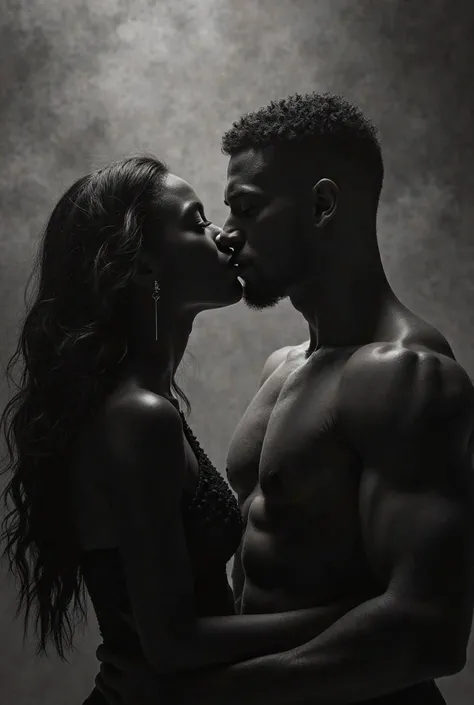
x: 71, y: 351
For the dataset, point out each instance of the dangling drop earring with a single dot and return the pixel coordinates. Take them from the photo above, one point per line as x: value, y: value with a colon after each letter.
x: 156, y: 296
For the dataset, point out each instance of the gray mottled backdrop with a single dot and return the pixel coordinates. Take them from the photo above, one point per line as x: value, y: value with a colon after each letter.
x: 83, y: 82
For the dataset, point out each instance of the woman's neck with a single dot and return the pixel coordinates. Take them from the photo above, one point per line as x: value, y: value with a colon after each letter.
x: 153, y: 362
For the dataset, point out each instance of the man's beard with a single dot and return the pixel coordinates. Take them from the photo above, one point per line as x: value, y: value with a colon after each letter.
x: 259, y: 299
x: 261, y: 293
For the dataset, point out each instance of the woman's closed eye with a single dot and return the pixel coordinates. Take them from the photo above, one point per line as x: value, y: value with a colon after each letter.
x: 202, y: 224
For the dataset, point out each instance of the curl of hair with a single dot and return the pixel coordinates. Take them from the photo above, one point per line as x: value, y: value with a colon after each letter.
x: 71, y: 351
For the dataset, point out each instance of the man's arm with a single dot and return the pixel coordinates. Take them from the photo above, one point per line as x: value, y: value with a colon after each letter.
x: 409, y: 415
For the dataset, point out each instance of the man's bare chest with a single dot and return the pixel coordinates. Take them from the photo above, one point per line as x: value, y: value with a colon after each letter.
x: 289, y: 445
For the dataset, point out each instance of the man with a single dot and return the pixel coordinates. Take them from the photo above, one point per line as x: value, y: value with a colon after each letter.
x: 352, y: 463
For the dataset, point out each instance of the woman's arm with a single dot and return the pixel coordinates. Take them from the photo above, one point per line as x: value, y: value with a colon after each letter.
x: 144, y: 454
x: 238, y: 579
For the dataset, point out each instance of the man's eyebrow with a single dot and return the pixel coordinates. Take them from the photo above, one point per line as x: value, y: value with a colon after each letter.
x: 239, y: 192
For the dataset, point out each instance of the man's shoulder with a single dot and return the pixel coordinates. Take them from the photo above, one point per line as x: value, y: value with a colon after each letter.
x: 280, y: 356
x: 400, y: 384
x: 396, y: 358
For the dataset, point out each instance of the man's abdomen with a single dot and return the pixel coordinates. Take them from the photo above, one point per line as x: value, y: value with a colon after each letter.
x: 294, y: 558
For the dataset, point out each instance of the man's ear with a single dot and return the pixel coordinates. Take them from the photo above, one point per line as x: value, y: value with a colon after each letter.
x: 325, y: 196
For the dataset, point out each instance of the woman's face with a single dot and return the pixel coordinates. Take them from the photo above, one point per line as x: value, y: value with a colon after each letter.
x: 188, y: 261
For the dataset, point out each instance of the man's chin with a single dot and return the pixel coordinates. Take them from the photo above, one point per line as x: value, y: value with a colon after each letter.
x: 258, y: 299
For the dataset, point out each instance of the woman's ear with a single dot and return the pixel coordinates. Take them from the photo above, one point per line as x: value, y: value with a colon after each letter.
x: 325, y: 196
x: 145, y: 274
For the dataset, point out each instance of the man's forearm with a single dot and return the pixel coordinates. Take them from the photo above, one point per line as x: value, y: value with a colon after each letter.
x: 375, y: 649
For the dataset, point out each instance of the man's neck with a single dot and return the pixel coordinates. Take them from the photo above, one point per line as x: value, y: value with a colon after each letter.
x: 345, y: 311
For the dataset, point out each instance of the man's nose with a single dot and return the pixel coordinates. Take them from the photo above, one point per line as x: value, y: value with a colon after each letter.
x: 228, y: 240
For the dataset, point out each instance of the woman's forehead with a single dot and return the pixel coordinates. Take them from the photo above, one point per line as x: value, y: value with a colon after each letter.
x: 178, y: 196
x: 177, y: 188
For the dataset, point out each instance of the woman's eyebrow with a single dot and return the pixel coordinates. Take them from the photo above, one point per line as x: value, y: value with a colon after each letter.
x: 192, y: 206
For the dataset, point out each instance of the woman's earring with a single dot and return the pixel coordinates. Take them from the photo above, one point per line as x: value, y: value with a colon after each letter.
x: 156, y: 296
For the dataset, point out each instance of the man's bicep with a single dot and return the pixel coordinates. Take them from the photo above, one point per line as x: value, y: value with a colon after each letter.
x: 417, y: 511
x: 419, y: 543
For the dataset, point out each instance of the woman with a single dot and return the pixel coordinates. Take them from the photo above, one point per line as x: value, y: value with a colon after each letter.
x: 109, y: 488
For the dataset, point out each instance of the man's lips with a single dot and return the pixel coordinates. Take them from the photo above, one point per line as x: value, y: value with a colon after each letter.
x: 237, y: 262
